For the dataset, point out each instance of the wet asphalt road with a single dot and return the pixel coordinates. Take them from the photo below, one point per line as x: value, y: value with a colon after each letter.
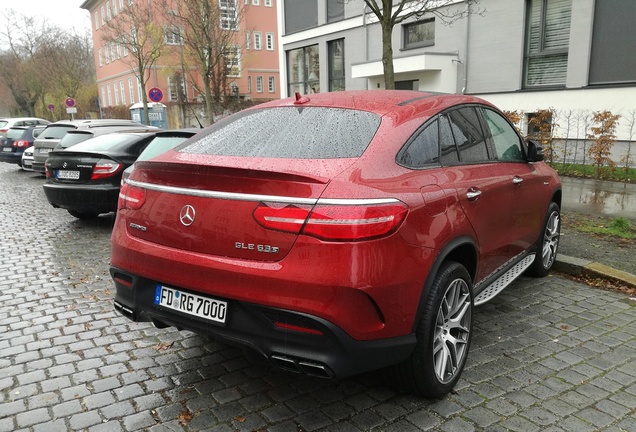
x: 547, y: 354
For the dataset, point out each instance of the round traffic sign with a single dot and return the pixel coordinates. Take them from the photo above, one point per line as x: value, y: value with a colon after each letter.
x: 155, y: 94
x: 51, y: 107
x: 69, y: 102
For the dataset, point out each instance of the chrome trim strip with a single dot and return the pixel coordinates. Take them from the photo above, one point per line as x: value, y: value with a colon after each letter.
x: 256, y: 197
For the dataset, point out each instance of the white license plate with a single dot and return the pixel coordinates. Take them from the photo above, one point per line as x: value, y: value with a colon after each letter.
x: 191, y: 304
x: 6, y: 149
x: 70, y: 175
x: 43, y: 150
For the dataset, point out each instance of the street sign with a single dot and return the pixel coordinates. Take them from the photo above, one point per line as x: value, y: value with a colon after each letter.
x: 51, y: 107
x: 69, y: 102
x: 71, y: 110
x: 155, y: 94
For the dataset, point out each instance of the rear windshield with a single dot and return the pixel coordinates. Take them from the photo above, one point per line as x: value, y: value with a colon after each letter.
x: 55, y: 131
x: 70, y: 139
x: 104, y: 142
x: 3, y: 123
x: 290, y: 132
x: 160, y: 144
x: 15, y: 133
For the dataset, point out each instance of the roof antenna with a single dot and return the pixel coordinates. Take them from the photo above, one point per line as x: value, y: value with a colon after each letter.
x: 300, y: 99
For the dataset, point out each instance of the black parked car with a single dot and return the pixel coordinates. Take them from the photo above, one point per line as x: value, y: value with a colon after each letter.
x: 16, y: 140
x: 85, y: 179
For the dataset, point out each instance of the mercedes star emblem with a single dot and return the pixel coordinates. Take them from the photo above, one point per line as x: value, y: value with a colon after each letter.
x: 187, y: 215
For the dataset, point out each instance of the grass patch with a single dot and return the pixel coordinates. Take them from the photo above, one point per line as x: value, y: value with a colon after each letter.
x: 589, y: 171
x: 619, y: 227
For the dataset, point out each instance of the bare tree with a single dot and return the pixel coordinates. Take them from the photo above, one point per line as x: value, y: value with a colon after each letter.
x: 390, y: 13
x: 25, y: 38
x: 136, y: 30
x: 206, y: 34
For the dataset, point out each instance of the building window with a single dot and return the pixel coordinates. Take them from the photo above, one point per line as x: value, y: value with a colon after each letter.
x: 303, y: 70
x: 177, y: 85
x: 268, y: 3
x: 118, y: 51
x: 229, y: 14
x: 248, y: 37
x: 131, y: 92
x: 116, y: 91
x: 271, y: 84
x: 103, y: 15
x: 121, y: 5
x: 249, y: 84
x: 259, y: 84
x: 232, y: 57
x: 613, y: 35
x: 130, y: 2
x: 140, y: 90
x: 258, y: 40
x: 108, y: 14
x: 123, y: 93
x: 300, y: 15
x: 419, y: 34
x: 96, y: 15
x: 112, y: 52
x: 100, y: 58
x: 256, y: 2
x: 269, y: 41
x: 172, y: 36
x: 335, y: 10
x: 114, y: 8
x: 336, y: 65
x: 103, y: 102
x: 110, y: 98
x: 548, y: 37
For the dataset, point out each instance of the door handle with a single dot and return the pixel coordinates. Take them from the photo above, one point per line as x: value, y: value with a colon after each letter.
x: 517, y: 180
x: 473, y: 194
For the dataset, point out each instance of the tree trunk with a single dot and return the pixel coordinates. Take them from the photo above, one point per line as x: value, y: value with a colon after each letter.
x: 387, y: 56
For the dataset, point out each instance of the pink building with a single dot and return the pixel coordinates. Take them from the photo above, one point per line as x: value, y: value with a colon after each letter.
x: 252, y: 60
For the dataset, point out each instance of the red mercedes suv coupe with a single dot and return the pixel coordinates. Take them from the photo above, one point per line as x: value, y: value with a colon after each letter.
x: 339, y: 233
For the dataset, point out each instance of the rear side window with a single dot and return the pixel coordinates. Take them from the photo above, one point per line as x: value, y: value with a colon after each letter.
x: 290, y: 132
x: 423, y: 149
x: 447, y: 147
x: 160, y: 144
x: 468, y: 135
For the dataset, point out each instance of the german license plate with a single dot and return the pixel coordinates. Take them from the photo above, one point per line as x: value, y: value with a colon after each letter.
x: 69, y: 175
x: 43, y: 150
x: 191, y: 304
x: 6, y: 149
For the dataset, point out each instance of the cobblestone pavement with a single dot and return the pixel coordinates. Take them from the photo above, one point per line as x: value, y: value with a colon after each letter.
x: 548, y: 354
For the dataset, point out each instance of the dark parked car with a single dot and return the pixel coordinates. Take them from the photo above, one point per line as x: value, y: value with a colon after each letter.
x: 85, y: 178
x: 339, y: 233
x: 53, y: 134
x: 16, y: 140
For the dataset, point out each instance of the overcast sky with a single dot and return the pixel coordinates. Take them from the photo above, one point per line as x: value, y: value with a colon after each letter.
x: 63, y: 13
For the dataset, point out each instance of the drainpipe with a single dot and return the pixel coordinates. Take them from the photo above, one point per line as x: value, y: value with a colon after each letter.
x: 366, y: 37
x: 465, y: 79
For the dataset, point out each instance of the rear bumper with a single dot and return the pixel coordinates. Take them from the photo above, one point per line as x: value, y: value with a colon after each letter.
x: 312, y: 345
x: 38, y: 166
x: 11, y: 157
x: 82, y: 198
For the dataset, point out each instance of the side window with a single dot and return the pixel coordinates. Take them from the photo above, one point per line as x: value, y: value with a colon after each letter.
x: 468, y: 135
x: 423, y: 149
x: 447, y: 147
x: 507, y: 142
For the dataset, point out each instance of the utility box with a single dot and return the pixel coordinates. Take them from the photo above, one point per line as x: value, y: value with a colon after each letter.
x: 156, y: 114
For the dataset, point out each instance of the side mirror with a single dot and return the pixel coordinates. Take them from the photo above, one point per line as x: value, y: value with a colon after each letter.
x: 535, y: 151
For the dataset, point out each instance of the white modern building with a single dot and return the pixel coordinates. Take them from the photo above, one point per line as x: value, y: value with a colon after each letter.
x: 573, y: 56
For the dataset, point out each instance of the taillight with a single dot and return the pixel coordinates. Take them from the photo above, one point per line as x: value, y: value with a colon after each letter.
x: 20, y: 143
x: 333, y: 222
x: 105, y: 168
x: 131, y: 197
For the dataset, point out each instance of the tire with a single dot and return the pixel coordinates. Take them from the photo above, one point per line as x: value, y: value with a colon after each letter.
x: 444, y: 333
x: 81, y: 215
x: 548, y: 243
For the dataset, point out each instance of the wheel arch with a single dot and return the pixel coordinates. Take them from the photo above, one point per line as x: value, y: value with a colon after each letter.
x: 462, y: 250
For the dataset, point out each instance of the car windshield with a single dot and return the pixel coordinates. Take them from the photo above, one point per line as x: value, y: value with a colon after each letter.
x: 15, y: 133
x: 3, y: 123
x: 160, y: 144
x: 104, y: 142
x: 56, y: 131
x: 290, y: 132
